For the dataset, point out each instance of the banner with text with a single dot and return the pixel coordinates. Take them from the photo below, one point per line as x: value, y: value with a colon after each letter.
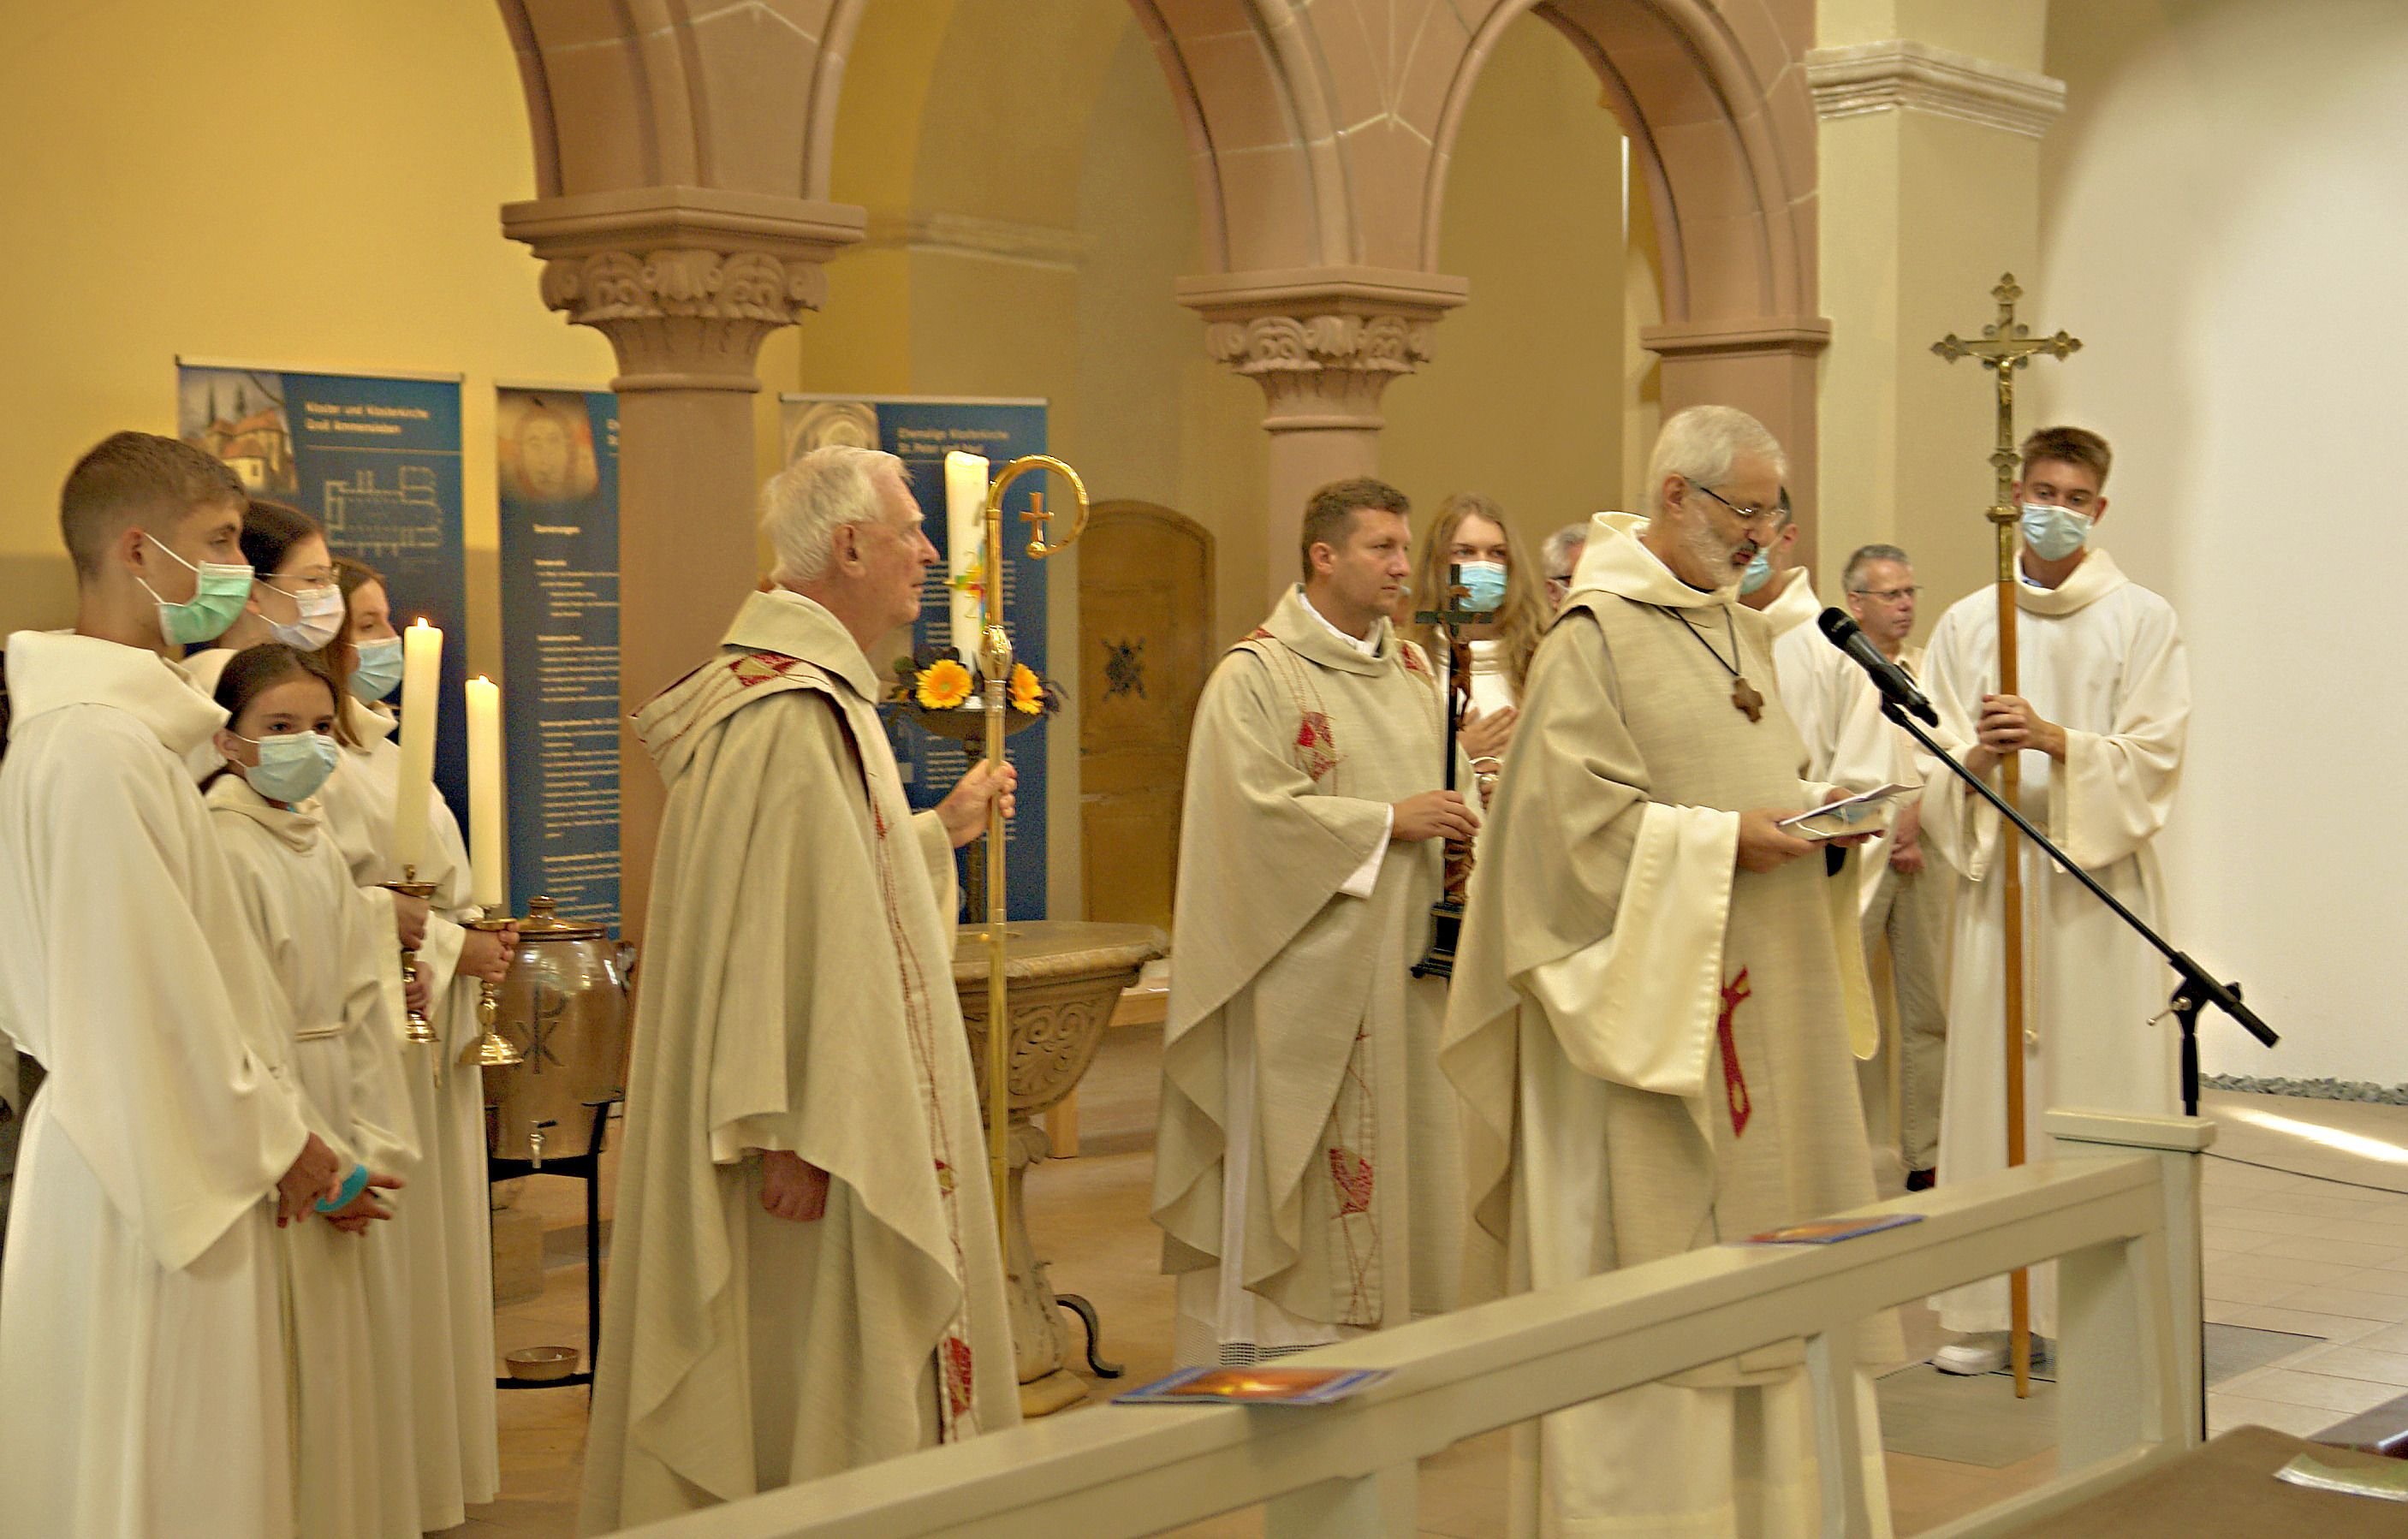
x: 375, y: 460
x: 557, y: 476
x: 921, y: 431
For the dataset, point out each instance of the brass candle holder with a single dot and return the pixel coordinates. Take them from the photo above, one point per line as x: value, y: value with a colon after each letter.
x: 494, y: 1049
x: 419, y: 1030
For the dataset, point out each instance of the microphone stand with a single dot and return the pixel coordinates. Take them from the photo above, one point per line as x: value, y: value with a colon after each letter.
x: 2197, y: 989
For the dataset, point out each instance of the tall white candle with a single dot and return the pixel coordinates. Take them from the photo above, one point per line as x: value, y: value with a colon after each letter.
x: 964, y: 538
x: 489, y: 884
x: 422, y: 675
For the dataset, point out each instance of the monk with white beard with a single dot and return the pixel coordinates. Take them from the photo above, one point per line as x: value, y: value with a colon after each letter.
x: 1658, y: 999
x: 142, y: 1355
x: 804, y: 1274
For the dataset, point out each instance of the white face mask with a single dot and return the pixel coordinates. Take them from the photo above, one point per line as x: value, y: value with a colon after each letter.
x: 292, y: 765
x: 2053, y: 533
x: 321, y: 616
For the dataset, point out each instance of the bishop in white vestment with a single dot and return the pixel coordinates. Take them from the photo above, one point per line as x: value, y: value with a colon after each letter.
x: 804, y: 1274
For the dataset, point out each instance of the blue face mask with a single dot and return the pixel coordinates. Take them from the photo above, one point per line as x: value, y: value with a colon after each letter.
x: 2053, y: 533
x: 292, y: 765
x: 1484, y: 583
x: 1758, y: 573
x: 220, y: 590
x: 377, y: 671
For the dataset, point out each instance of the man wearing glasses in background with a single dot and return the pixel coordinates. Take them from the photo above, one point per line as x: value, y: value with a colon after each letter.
x: 1850, y: 743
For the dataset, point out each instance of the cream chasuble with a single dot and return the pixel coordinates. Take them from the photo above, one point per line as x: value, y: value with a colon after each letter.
x: 441, y: 1255
x: 797, y: 994
x: 2101, y: 657
x: 1655, y: 1051
x: 337, y: 979
x: 1305, y: 1166
x: 141, y: 1292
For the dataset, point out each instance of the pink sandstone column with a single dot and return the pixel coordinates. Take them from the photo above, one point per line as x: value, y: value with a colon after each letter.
x: 1322, y: 343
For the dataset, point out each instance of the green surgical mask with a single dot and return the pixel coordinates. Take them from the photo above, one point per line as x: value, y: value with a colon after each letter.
x: 217, y: 601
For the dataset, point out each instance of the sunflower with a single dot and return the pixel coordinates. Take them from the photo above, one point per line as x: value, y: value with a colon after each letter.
x: 944, y: 685
x: 1027, y: 691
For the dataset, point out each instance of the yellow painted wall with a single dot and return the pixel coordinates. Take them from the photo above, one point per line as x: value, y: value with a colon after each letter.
x: 317, y: 189
x: 300, y: 184
x: 1919, y: 214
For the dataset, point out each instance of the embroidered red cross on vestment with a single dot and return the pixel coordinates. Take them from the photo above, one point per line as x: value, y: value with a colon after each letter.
x: 1734, y: 1082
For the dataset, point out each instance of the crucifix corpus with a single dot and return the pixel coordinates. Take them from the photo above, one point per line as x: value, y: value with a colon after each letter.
x: 1446, y: 914
x: 2007, y: 345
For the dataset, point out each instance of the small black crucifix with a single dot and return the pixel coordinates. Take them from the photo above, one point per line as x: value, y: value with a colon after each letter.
x: 1446, y: 914
x: 1452, y: 618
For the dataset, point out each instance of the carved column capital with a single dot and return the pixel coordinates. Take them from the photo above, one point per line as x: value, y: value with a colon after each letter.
x: 1322, y: 342
x: 685, y: 281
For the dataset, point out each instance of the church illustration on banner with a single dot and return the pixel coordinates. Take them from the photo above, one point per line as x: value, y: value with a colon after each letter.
x: 238, y: 416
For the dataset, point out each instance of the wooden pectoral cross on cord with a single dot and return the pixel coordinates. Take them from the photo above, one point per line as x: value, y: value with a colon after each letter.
x: 1744, y: 696
x: 1446, y: 915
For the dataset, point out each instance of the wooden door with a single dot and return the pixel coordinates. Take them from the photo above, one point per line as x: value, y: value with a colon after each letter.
x: 1145, y: 625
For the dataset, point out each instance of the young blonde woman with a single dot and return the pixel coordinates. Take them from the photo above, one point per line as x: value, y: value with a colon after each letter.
x: 294, y: 601
x: 1470, y: 533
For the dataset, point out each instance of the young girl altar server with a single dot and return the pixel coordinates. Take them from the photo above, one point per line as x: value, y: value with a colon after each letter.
x: 336, y: 974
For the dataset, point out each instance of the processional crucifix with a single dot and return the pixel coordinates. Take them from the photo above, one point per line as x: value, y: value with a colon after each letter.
x: 2007, y: 345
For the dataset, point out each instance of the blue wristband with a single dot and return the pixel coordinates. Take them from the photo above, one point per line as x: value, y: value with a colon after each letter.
x: 353, y: 1184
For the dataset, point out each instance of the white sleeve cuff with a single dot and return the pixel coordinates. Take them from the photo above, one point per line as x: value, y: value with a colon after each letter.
x: 1367, y: 876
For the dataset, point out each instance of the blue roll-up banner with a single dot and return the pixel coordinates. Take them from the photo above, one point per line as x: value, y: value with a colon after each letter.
x: 557, y: 479
x: 921, y: 430
x: 375, y: 460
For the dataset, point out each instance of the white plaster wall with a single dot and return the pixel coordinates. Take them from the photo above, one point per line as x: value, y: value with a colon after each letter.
x: 2224, y: 224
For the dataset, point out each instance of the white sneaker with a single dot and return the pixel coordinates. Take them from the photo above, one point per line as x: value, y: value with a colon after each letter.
x: 1984, y: 1352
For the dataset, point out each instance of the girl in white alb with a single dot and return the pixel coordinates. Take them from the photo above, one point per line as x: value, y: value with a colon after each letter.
x: 337, y: 977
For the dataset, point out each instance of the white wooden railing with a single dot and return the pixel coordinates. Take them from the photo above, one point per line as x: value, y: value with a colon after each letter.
x: 2117, y: 1202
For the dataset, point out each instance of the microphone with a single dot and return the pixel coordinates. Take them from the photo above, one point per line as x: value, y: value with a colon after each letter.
x: 1894, y: 681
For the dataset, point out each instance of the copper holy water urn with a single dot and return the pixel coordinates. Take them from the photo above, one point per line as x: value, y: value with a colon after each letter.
x: 563, y: 1007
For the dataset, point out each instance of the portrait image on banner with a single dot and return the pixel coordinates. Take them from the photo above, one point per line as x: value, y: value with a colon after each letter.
x: 375, y: 459
x: 556, y: 473
x: 921, y: 431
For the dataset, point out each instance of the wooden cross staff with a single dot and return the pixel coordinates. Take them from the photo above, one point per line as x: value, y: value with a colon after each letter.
x: 2007, y: 345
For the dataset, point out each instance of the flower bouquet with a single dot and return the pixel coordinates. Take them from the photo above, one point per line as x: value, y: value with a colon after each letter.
x: 936, y: 689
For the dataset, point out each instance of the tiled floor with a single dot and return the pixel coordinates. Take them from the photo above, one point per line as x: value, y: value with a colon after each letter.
x: 2284, y: 1252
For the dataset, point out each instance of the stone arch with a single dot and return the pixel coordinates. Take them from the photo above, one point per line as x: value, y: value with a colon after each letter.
x: 673, y: 93
x: 1710, y: 95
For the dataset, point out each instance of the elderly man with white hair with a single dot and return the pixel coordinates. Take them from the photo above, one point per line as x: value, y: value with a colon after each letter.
x: 1559, y: 556
x: 805, y: 1275
x: 1657, y: 997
